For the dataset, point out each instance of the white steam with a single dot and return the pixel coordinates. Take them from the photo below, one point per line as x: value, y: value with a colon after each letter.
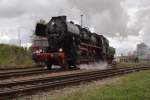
x: 99, y: 65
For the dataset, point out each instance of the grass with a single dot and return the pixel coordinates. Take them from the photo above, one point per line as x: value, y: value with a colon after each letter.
x: 135, y: 86
x: 130, y: 64
x: 13, y: 57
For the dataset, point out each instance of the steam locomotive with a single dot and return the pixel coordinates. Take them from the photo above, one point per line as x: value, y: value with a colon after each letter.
x: 67, y: 44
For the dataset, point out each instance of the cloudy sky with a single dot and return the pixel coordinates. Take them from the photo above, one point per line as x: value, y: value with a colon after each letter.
x: 124, y: 22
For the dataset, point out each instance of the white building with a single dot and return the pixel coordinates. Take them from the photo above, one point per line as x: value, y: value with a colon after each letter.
x: 143, y: 51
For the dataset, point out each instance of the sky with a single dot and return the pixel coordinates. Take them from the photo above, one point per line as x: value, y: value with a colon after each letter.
x: 124, y: 22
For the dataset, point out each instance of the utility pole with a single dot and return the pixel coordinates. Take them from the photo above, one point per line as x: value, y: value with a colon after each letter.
x: 19, y: 34
x: 81, y: 20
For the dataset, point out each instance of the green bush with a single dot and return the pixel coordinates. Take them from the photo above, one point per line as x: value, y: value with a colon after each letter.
x: 13, y: 56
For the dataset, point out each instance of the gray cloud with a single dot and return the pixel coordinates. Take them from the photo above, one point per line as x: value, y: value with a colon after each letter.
x: 107, y: 17
x: 137, y: 3
x: 143, y: 20
x: 10, y: 9
x: 140, y: 26
x: 20, y: 16
x: 38, y: 8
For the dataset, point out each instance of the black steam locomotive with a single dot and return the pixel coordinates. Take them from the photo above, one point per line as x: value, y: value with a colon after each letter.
x: 69, y: 44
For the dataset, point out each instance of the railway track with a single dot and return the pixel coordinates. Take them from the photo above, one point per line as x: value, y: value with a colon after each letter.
x: 27, y: 72
x: 13, y: 69
x: 26, y: 86
x: 21, y: 72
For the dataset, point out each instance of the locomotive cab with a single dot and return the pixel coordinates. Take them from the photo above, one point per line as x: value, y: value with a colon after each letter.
x: 40, y: 29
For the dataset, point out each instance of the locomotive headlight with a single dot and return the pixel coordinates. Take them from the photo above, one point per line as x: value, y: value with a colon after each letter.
x: 53, y: 23
x: 38, y: 51
x: 60, y: 50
